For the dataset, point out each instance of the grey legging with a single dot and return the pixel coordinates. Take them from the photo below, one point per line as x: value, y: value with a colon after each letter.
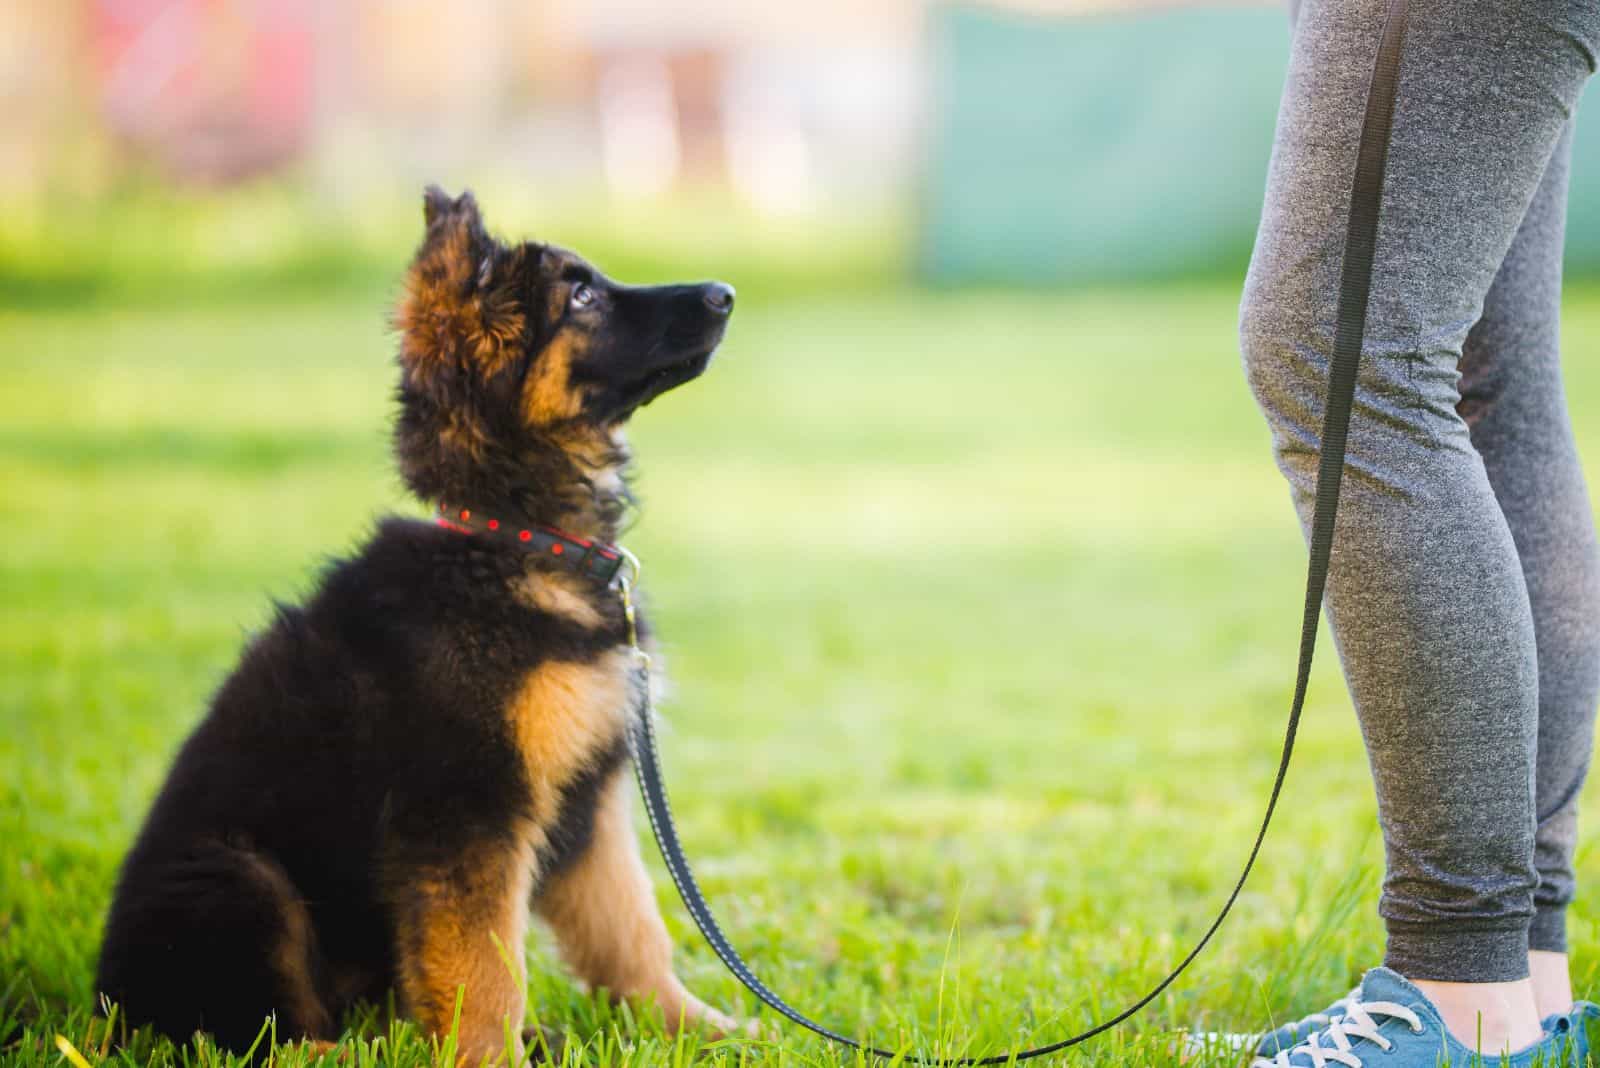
x: 1465, y: 585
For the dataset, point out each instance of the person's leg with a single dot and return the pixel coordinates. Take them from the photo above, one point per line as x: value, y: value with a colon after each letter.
x: 1515, y: 408
x: 1426, y: 595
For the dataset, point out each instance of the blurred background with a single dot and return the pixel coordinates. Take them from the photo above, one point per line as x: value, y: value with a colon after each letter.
x: 977, y: 581
x: 221, y: 141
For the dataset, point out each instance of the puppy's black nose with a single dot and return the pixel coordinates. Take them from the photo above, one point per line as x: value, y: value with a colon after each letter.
x: 718, y: 297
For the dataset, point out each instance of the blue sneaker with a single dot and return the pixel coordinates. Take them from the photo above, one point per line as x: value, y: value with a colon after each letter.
x: 1579, y: 1031
x: 1295, y: 1032
x: 1388, y: 1018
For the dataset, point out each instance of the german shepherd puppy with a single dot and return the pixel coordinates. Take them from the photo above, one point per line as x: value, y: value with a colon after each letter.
x: 398, y: 768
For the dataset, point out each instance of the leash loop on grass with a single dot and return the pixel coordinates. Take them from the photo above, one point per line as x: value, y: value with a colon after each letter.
x: 1355, y: 285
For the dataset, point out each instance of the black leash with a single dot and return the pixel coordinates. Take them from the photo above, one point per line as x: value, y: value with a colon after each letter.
x: 1354, y: 288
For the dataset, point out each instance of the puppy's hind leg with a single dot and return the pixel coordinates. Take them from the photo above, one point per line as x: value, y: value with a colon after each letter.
x: 603, y: 913
x: 213, y: 937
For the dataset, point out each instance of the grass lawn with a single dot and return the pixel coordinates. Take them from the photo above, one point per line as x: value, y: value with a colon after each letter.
x: 981, y: 610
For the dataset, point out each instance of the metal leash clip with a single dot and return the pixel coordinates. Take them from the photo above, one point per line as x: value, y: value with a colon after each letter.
x: 626, y: 582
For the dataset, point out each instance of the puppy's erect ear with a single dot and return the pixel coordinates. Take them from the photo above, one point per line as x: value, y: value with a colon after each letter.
x: 437, y: 204
x: 456, y: 242
x: 451, y: 315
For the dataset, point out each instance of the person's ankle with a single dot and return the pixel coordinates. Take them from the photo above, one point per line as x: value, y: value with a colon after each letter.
x: 1552, y: 982
x: 1489, y: 1018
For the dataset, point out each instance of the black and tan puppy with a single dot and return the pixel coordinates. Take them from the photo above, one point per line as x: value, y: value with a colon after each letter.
x: 434, y: 741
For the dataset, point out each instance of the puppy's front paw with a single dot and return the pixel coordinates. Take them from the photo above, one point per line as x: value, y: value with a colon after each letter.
x: 717, y: 1025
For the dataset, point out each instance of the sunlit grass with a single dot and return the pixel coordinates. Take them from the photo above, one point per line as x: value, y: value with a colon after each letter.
x: 157, y: 246
x: 981, y: 610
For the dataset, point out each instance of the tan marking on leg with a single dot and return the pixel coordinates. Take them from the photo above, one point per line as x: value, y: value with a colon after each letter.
x: 564, y: 716
x: 603, y: 913
x: 302, y: 1012
x: 561, y: 595
x: 451, y: 920
x: 293, y: 961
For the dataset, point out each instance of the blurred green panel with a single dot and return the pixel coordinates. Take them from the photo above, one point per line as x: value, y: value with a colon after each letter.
x: 1119, y: 146
x: 1583, y: 202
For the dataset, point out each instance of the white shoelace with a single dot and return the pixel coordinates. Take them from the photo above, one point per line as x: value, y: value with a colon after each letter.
x: 1333, y: 1042
x: 1337, y: 1009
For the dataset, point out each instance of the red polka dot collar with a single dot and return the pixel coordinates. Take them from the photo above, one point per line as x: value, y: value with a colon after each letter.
x: 582, y: 555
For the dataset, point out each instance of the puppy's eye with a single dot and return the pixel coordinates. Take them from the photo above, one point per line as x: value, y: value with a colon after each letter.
x: 582, y: 296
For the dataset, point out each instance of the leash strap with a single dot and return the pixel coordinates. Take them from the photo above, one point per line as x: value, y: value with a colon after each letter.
x: 1354, y: 288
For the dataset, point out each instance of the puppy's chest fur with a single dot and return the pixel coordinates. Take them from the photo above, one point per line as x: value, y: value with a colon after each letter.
x: 569, y: 717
